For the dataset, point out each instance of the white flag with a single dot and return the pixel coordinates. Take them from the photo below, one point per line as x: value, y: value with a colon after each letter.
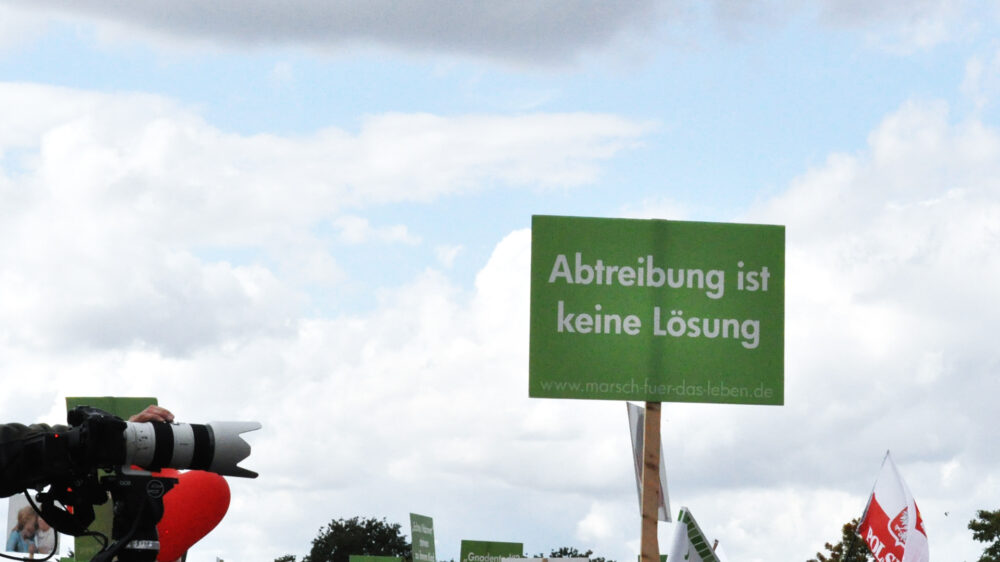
x: 637, y: 425
x: 680, y: 546
x: 891, y: 525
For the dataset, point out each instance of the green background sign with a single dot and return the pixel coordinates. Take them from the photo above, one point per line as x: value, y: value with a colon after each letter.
x: 367, y: 558
x: 653, y: 310
x: 422, y: 538
x: 490, y: 551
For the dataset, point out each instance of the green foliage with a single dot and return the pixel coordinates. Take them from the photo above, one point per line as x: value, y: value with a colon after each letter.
x: 569, y: 552
x: 851, y: 548
x: 285, y: 558
x: 573, y: 552
x: 986, y: 528
x: 367, y: 537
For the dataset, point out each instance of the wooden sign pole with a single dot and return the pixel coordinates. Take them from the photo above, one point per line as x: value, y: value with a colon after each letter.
x: 650, y: 545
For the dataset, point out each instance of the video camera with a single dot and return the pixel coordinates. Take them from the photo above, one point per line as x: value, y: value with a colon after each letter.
x: 65, y: 465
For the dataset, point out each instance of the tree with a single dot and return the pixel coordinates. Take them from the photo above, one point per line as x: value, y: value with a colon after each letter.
x: 369, y: 537
x: 851, y: 548
x: 573, y: 552
x: 986, y: 528
x: 285, y: 558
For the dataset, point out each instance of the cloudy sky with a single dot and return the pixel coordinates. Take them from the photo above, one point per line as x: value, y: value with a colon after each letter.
x: 317, y: 215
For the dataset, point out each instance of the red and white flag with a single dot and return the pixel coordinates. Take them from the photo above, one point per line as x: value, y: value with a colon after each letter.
x: 891, y: 526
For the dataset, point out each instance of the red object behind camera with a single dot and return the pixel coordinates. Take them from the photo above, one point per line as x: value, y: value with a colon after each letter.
x: 191, y: 509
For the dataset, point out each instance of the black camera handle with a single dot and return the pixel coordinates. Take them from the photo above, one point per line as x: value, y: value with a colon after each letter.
x: 137, y: 498
x: 138, y: 507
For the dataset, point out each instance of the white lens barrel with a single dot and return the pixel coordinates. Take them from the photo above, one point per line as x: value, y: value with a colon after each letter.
x: 140, y: 443
x: 183, y: 445
x: 216, y: 446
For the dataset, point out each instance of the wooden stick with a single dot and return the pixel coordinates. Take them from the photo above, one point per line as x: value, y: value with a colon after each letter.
x: 650, y: 545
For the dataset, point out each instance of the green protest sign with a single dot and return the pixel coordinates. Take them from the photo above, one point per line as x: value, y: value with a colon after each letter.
x: 368, y: 558
x: 654, y: 310
x: 422, y: 538
x: 490, y: 551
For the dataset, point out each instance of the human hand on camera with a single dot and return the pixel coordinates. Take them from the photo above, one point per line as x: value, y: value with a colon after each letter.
x: 153, y: 413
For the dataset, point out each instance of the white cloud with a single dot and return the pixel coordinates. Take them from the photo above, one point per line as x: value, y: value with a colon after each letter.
x: 144, y: 152
x: 529, y: 32
x: 358, y: 230
x: 446, y: 255
x: 19, y: 25
x: 608, y: 525
x: 658, y: 208
x: 907, y: 26
x: 890, y: 257
x: 523, y: 33
x: 900, y: 27
x: 981, y: 82
x: 282, y: 73
x: 116, y: 200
